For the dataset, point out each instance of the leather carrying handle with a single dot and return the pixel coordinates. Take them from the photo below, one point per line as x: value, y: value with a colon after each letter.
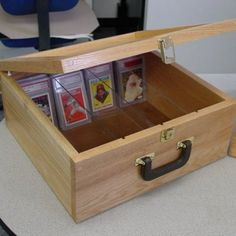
x: 149, y: 174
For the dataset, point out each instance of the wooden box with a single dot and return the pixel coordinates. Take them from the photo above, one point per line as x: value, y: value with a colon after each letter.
x: 183, y: 125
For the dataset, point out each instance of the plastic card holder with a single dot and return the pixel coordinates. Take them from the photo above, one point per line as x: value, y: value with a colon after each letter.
x: 38, y: 87
x: 100, y: 88
x: 71, y: 100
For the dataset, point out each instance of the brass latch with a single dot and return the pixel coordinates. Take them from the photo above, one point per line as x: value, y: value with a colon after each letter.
x: 167, y: 135
x: 165, y: 44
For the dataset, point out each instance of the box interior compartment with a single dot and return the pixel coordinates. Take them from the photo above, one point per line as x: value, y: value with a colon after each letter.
x: 169, y: 93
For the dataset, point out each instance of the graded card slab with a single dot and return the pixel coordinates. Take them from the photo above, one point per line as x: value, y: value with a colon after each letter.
x: 44, y: 104
x: 39, y: 89
x: 71, y: 100
x: 100, y: 87
x: 101, y: 93
x: 73, y: 107
x: 130, y: 80
x: 132, y: 85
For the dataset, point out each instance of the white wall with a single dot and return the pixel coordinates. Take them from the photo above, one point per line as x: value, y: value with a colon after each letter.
x: 214, y: 55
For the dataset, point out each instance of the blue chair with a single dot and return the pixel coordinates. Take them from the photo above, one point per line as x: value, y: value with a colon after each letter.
x: 24, y: 7
x: 42, y: 9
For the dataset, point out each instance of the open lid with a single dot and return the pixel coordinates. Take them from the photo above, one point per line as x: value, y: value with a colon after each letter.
x: 85, y: 55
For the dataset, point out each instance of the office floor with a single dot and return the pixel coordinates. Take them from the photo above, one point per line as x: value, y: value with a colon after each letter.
x: 200, y: 203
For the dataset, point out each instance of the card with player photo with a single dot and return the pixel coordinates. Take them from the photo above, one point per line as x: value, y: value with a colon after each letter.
x: 100, y: 88
x: 38, y: 87
x: 73, y: 106
x: 130, y: 80
x: 71, y: 100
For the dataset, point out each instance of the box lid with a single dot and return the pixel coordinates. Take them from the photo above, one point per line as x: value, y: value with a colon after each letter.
x: 85, y: 55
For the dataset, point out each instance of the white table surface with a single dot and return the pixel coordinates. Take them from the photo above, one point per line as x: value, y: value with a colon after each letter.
x: 200, y: 203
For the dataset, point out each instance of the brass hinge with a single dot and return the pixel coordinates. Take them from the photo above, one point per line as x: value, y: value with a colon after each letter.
x: 165, y: 44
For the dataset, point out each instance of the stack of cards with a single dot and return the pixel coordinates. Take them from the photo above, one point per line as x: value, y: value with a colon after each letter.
x: 39, y: 89
x: 71, y: 100
x: 130, y: 80
x: 100, y: 87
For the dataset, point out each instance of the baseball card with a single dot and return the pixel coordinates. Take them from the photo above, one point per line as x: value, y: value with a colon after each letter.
x: 130, y: 80
x: 100, y: 87
x: 71, y: 100
x: 38, y: 87
x: 73, y: 107
x: 43, y: 102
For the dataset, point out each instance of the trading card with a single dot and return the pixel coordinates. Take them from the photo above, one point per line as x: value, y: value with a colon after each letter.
x: 43, y: 102
x: 39, y: 89
x: 71, y: 100
x: 73, y: 107
x: 130, y: 80
x: 100, y: 86
x: 101, y: 93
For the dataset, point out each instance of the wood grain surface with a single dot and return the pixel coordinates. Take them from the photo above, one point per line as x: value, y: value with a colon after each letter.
x: 106, y: 176
x: 110, y: 176
x: 90, y: 54
x: 91, y: 169
x: 49, y: 151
